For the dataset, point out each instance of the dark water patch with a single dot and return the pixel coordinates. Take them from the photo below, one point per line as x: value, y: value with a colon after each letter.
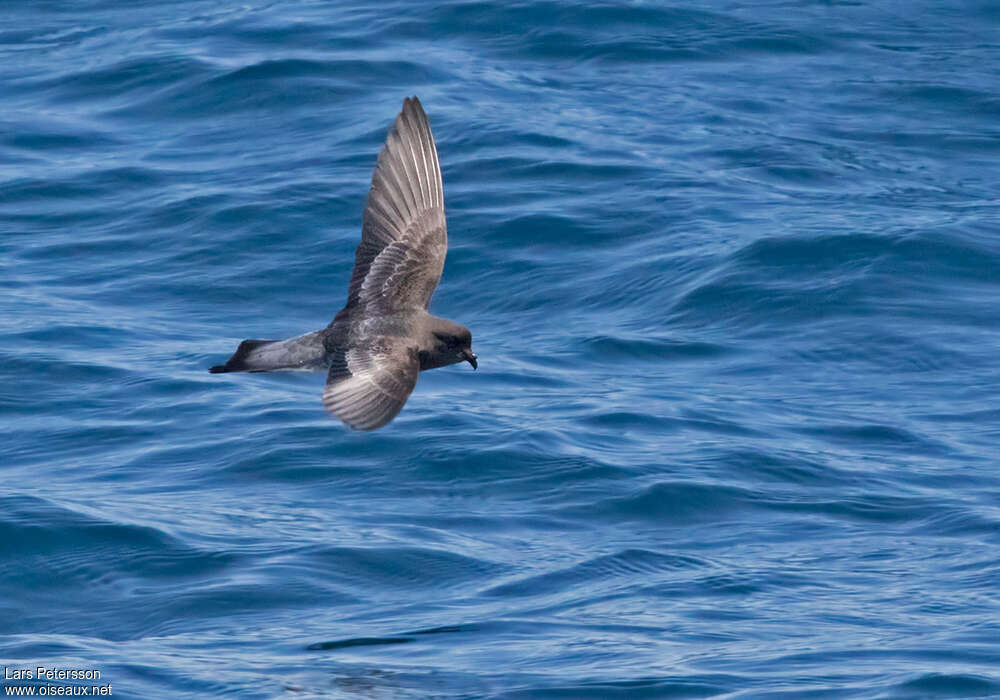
x: 208, y: 210
x: 65, y: 374
x: 44, y: 534
x: 807, y: 170
x: 42, y: 646
x: 714, y: 423
x: 664, y: 502
x: 474, y: 522
x: 734, y: 300
x: 808, y: 257
x: 876, y: 436
x: 654, y: 34
x: 59, y: 445
x: 880, y: 507
x: 630, y: 564
x: 412, y: 568
x: 273, y: 69
x: 618, y: 421
x: 786, y: 468
x: 616, y: 349
x: 46, y: 35
x: 269, y: 84
x: 972, y: 416
x: 538, y: 285
x: 54, y: 555
x: 447, y: 629
x: 676, y: 687
x: 947, y: 685
x: 542, y: 233
x: 736, y: 584
x: 944, y: 256
x: 51, y: 189
x: 60, y: 336
x: 951, y: 99
x: 90, y: 186
x: 130, y: 79
x: 239, y: 218
x: 514, y: 463
x: 222, y: 598
x: 775, y: 42
x: 867, y: 345
x: 487, y: 168
x: 909, y: 654
x: 358, y: 642
x: 559, y: 175
x: 46, y: 138
x: 351, y: 679
x: 921, y: 141
x: 256, y: 29
x: 298, y: 466
x: 797, y: 177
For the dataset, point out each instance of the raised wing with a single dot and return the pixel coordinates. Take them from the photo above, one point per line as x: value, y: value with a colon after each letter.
x: 404, y: 239
x: 369, y: 383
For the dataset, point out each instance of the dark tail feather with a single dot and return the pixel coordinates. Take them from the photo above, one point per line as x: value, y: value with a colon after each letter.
x: 238, y: 362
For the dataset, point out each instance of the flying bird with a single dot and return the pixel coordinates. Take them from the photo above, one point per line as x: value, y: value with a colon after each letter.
x: 384, y: 335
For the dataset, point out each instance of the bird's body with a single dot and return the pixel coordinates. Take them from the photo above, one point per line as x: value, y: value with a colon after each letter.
x: 384, y: 335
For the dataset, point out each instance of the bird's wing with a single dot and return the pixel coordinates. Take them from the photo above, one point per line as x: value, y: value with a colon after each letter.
x: 404, y: 239
x: 369, y: 382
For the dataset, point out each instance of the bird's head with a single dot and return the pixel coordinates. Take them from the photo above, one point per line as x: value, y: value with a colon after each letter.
x: 456, y: 346
x: 451, y: 343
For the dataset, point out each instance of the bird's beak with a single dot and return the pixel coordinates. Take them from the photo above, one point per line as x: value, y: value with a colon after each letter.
x: 471, y: 358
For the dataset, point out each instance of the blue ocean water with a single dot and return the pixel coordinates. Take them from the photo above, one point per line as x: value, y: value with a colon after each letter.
x: 733, y: 275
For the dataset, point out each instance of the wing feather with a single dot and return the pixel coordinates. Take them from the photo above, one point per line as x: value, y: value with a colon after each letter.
x: 404, y: 239
x: 369, y: 382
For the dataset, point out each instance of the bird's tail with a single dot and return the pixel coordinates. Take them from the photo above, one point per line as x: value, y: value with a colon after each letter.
x: 247, y: 358
x: 304, y: 352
